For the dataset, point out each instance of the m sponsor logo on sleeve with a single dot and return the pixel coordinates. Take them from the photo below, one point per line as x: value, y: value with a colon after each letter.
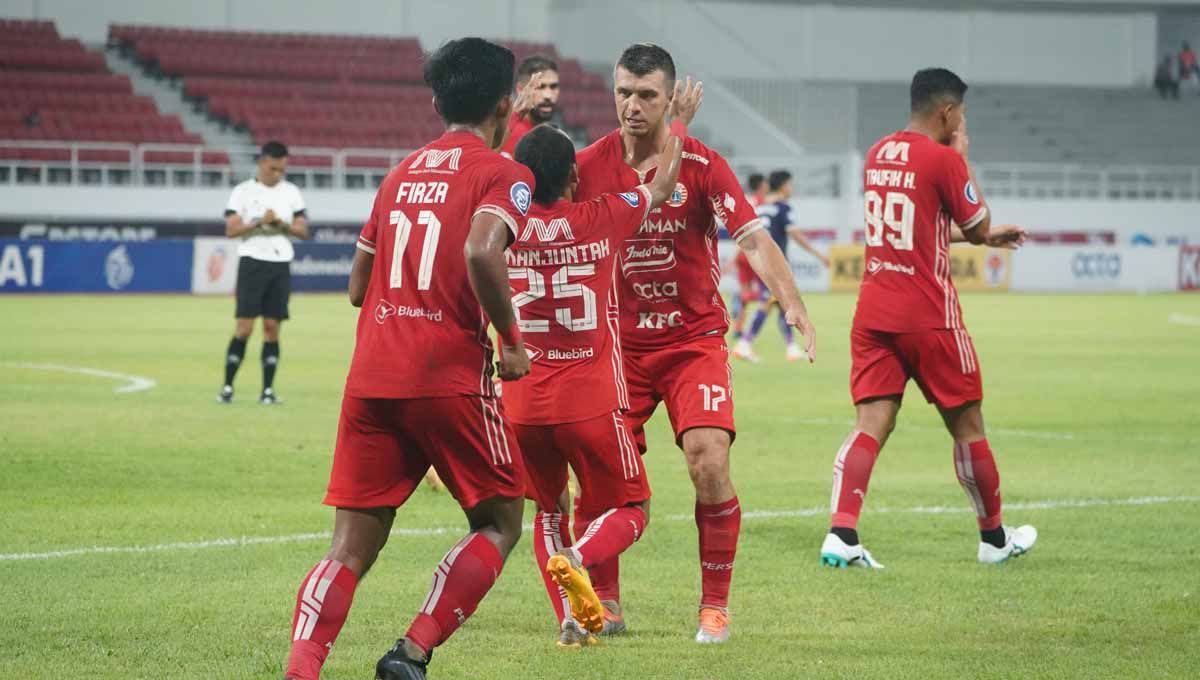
x: 633, y: 198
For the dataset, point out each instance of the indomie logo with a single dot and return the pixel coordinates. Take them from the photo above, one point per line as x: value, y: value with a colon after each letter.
x: 893, y: 152
x: 547, y: 232
x: 432, y: 159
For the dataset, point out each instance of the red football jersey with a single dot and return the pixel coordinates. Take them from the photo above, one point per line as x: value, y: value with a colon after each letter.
x: 517, y: 127
x: 562, y: 271
x: 669, y: 269
x: 421, y: 332
x: 913, y: 188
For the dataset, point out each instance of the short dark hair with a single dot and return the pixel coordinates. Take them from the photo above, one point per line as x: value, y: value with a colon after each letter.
x: 469, y: 77
x: 549, y: 153
x: 754, y: 181
x: 535, y: 64
x: 273, y: 149
x: 931, y: 85
x: 642, y: 59
x: 778, y: 179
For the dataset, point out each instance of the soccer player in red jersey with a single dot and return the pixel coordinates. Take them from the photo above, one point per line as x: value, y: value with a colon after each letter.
x: 537, y: 81
x: 672, y: 316
x: 429, y: 274
x: 919, y: 196
x: 569, y: 409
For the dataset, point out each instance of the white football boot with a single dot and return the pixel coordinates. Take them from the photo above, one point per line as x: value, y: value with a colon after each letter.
x: 835, y: 553
x: 1017, y: 542
x: 745, y: 351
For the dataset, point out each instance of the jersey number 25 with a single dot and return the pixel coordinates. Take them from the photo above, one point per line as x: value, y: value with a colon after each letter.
x: 562, y: 289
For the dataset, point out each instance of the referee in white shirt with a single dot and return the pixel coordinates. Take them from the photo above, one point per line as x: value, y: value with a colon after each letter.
x: 265, y: 212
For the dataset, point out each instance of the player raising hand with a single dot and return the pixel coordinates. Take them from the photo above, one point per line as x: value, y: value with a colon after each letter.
x: 672, y: 316
x: 920, y: 195
x: 569, y: 410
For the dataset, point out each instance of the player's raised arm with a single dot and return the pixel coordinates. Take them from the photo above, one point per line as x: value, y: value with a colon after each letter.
x: 1009, y: 236
x: 685, y: 102
x: 796, y: 234
x: 488, y: 271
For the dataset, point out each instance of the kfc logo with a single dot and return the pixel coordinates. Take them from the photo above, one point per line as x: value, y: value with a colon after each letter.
x: 660, y: 320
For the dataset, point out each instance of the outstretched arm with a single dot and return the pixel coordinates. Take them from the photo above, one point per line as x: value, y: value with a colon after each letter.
x: 801, y: 240
x: 772, y: 267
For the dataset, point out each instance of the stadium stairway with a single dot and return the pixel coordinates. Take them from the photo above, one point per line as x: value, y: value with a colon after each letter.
x: 168, y: 96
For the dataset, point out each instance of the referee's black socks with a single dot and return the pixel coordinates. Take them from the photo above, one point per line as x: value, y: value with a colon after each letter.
x: 233, y: 358
x: 270, y: 361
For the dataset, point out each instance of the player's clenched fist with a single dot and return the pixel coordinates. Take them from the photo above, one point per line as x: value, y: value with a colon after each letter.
x: 514, y: 361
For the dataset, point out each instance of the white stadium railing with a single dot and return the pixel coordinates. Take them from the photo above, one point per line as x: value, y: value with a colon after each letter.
x: 98, y: 163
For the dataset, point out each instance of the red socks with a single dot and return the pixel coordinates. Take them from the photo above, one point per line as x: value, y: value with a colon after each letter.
x: 976, y: 470
x: 551, y: 534
x: 851, y: 474
x: 321, y: 608
x: 610, y: 534
x: 719, y: 525
x: 460, y: 581
x: 606, y: 575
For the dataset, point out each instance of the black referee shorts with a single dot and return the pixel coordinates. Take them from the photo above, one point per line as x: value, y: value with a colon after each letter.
x: 263, y: 288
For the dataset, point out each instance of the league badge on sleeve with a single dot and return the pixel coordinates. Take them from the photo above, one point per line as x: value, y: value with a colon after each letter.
x: 521, y: 197
x: 969, y: 192
x: 633, y: 198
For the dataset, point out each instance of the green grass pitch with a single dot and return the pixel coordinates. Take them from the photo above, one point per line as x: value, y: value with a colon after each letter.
x: 1088, y: 397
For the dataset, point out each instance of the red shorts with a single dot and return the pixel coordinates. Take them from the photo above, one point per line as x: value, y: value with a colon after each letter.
x: 385, y: 446
x: 695, y: 381
x: 943, y: 362
x: 599, y: 450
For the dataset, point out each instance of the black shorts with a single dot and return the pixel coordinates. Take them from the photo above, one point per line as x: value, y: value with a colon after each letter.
x: 263, y: 288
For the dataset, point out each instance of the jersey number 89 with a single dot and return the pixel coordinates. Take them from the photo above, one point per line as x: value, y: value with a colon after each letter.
x: 896, y: 211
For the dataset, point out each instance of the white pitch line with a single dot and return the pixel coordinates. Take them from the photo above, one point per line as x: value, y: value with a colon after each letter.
x: 133, y: 383
x: 1184, y: 319
x: 199, y: 545
x: 437, y: 531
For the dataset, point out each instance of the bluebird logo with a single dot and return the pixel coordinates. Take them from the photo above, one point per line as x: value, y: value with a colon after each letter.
x: 521, y: 196
x: 969, y: 192
x: 632, y: 198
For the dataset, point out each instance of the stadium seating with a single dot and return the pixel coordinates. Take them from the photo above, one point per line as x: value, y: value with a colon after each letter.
x: 331, y: 91
x: 54, y: 90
